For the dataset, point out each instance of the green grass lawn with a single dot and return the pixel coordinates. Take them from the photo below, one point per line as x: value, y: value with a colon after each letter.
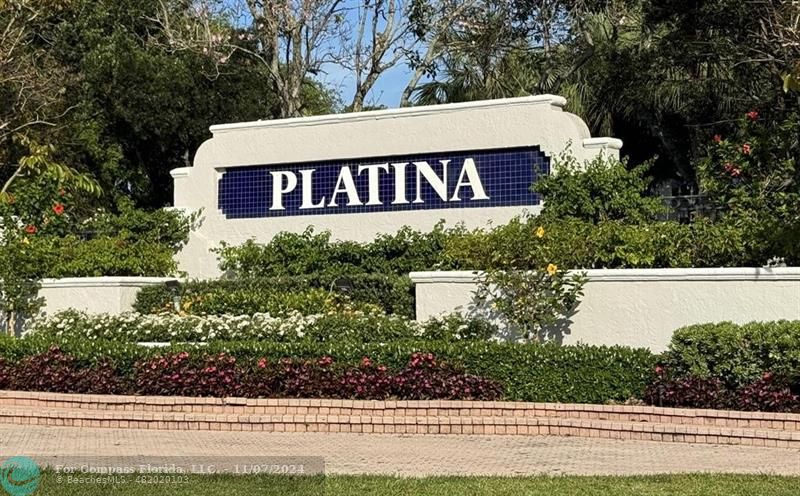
x: 228, y: 485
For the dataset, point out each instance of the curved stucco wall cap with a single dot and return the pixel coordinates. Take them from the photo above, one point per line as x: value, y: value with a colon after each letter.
x: 458, y: 126
x: 374, y: 115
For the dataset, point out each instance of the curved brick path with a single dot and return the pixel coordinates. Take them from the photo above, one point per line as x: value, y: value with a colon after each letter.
x: 407, y: 455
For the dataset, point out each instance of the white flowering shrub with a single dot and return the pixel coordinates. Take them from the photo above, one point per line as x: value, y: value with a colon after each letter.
x: 371, y: 326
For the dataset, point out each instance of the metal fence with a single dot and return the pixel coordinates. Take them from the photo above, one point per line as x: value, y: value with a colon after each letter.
x: 687, y: 208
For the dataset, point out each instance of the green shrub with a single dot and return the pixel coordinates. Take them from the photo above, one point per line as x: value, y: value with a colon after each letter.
x: 736, y: 354
x: 577, y: 244
x: 529, y: 372
x: 278, y: 295
x: 753, y: 177
x: 570, y: 243
x: 168, y: 227
x: 291, y: 254
x: 219, y: 299
x: 601, y: 190
x: 530, y: 302
x: 109, y: 257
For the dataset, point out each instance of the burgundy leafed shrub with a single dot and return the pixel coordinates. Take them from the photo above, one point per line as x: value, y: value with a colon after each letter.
x: 687, y: 392
x: 6, y: 370
x: 770, y: 393
x: 55, y: 372
x: 425, y: 378
x: 221, y: 375
x: 181, y: 375
x: 260, y: 380
x: 306, y: 378
x: 368, y: 381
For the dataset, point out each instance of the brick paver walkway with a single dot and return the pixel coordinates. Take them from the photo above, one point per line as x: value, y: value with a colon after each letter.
x: 407, y: 455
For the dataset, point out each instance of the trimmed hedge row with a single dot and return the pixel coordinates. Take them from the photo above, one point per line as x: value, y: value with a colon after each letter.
x: 306, y: 294
x: 736, y: 354
x: 527, y: 372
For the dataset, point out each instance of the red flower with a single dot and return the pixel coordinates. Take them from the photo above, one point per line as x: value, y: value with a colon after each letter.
x: 717, y: 138
x: 30, y: 229
x: 58, y: 209
x: 746, y: 149
x: 752, y: 115
x: 262, y: 363
x: 732, y: 170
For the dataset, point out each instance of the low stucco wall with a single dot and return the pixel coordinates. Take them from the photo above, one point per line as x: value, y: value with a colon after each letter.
x: 94, y: 294
x: 641, y: 307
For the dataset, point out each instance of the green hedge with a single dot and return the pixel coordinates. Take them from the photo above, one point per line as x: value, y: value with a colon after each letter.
x: 130, y: 242
x: 574, y: 244
x: 529, y: 372
x: 737, y: 354
x: 291, y: 254
x: 277, y: 295
x: 570, y: 243
x: 97, y: 257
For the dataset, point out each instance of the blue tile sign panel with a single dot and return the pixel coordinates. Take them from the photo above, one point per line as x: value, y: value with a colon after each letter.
x: 471, y: 179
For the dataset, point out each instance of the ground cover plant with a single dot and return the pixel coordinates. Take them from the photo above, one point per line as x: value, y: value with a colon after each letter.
x: 336, y: 325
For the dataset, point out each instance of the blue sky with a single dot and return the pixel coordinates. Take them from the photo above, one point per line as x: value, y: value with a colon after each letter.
x: 389, y: 85
x: 386, y: 92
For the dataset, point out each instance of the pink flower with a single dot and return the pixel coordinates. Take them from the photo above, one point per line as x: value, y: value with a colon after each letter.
x: 262, y: 363
x: 717, y: 138
x: 752, y: 115
x: 366, y: 362
x: 659, y: 370
x: 732, y: 170
x: 746, y: 149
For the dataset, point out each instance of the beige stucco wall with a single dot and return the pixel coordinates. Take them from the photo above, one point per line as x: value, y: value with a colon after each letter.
x: 94, y: 294
x: 642, y: 307
x: 633, y: 307
x: 537, y: 120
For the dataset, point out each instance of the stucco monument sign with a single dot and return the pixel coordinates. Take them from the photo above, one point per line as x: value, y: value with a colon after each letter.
x: 361, y: 174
